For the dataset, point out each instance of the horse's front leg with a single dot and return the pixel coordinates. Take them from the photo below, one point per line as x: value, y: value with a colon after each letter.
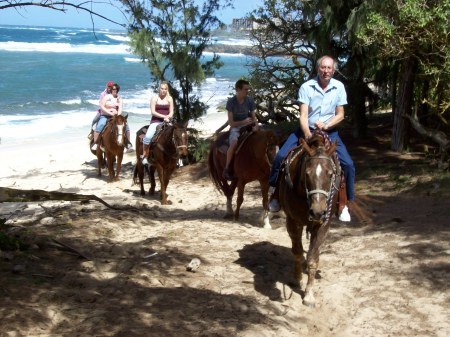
x: 240, y: 199
x: 140, y: 173
x: 265, y: 202
x: 151, y: 191
x: 295, y: 231
x: 118, y: 165
x: 317, y: 238
x: 161, y: 176
x: 99, y: 161
x: 229, y: 194
x: 110, y: 162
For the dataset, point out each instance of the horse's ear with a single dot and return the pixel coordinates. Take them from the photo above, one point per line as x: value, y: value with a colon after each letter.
x: 332, y: 148
x: 305, y: 146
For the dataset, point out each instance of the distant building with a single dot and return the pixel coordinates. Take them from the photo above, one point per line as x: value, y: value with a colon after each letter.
x: 242, y: 24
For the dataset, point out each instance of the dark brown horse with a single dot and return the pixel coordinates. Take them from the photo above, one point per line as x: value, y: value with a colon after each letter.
x: 308, y: 190
x: 167, y: 147
x: 112, y: 140
x: 252, y: 161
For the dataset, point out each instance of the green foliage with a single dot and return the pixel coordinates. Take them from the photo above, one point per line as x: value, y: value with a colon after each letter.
x: 198, y: 147
x: 170, y: 37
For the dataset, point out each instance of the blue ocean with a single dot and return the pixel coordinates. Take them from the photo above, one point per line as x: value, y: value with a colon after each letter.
x: 52, y: 77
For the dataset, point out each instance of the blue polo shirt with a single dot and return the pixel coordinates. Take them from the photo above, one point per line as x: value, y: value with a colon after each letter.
x: 322, y: 103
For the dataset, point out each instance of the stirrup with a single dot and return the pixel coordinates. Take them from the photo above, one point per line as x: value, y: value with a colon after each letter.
x: 345, y: 215
x: 226, y: 175
x: 274, y: 206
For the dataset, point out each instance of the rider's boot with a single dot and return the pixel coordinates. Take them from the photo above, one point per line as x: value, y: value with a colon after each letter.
x: 94, y: 146
x: 146, y: 153
x: 274, y: 205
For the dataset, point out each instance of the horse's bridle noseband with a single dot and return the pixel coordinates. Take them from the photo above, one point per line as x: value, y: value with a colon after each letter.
x: 320, y: 191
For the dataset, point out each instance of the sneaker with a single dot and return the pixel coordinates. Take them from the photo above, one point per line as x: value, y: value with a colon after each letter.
x: 94, y: 147
x: 226, y: 175
x: 345, y: 215
x: 274, y: 206
x: 144, y: 161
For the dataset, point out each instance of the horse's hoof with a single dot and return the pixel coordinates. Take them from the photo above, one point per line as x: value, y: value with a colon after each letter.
x: 228, y: 216
x: 311, y: 305
x: 309, y: 300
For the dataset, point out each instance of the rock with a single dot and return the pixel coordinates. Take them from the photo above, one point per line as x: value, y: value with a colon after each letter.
x: 193, y: 265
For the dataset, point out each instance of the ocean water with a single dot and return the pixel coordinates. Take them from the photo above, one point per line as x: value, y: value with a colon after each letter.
x: 51, y: 79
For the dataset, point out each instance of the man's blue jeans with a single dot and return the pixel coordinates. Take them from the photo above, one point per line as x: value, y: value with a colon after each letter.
x: 344, y: 158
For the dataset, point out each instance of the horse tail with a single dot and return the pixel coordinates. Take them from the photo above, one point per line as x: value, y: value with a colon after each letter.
x: 215, y: 174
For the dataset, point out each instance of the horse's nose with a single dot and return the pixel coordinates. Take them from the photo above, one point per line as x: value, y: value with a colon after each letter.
x: 315, y: 213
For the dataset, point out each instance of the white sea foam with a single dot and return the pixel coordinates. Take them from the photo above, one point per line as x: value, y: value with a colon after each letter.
x: 132, y: 59
x: 115, y: 37
x: 63, y: 48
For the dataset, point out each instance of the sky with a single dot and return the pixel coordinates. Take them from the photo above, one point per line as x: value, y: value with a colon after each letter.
x: 36, y: 16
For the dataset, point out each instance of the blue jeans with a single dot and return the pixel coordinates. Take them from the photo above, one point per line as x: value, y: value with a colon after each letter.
x: 150, y: 133
x: 102, y: 122
x: 344, y: 158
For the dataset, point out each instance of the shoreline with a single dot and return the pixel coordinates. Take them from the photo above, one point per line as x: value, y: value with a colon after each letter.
x: 67, y: 151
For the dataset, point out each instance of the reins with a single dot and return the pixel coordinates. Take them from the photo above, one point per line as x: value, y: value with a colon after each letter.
x: 176, y: 153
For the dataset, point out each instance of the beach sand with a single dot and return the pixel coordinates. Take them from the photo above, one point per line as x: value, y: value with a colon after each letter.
x: 122, y: 272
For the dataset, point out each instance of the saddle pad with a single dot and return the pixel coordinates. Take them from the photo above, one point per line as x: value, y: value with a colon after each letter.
x: 142, y: 131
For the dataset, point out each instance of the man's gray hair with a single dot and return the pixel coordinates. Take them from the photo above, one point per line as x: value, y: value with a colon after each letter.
x: 319, y: 61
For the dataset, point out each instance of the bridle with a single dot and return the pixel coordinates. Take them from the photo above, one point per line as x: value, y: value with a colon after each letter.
x: 177, y: 147
x: 118, y: 132
x: 320, y: 191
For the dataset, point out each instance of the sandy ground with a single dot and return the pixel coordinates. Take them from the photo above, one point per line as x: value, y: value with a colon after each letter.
x: 386, y: 274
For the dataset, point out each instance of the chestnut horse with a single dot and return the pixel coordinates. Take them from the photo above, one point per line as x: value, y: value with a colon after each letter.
x: 308, y: 190
x: 252, y: 161
x: 167, y: 147
x: 112, y: 139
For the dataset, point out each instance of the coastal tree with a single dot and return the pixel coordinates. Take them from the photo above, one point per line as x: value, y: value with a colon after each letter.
x: 412, y: 36
x: 170, y: 37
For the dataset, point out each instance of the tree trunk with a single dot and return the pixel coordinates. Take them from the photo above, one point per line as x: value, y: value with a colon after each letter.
x: 401, y: 126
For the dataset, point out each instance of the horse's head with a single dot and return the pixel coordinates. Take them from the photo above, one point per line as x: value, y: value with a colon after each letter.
x: 180, y: 138
x: 119, y: 123
x: 272, y: 145
x: 319, y: 175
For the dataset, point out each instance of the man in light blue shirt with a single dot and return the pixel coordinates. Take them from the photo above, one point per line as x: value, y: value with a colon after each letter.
x: 322, y: 101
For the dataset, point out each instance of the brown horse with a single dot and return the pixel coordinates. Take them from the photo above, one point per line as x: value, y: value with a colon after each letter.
x: 307, y: 187
x: 167, y: 147
x: 252, y: 161
x: 112, y: 139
